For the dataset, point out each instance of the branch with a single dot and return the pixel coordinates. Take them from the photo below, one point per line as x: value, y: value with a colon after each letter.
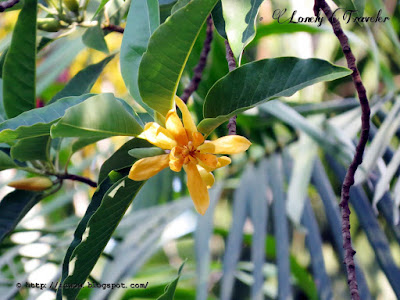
x: 198, y: 70
x: 77, y: 178
x: 7, y: 4
x: 232, y: 66
x: 357, y: 160
x: 112, y: 27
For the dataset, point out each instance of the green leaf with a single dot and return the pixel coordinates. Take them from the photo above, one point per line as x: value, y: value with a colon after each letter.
x: 145, y: 152
x: 121, y: 159
x: 265, y: 79
x: 100, y: 227
x: 2, y: 60
x: 94, y: 38
x: 19, y: 69
x: 240, y: 17
x: 218, y: 18
x: 178, y: 5
x: 82, y: 143
x: 32, y: 148
x: 345, y: 5
x: 6, y: 162
x: 143, y: 19
x: 14, y: 207
x: 170, y: 288
x: 37, y: 122
x: 83, y: 82
x: 168, y: 51
x: 99, y: 116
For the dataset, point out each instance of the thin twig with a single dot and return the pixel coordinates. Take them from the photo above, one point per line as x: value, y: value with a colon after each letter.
x: 232, y: 66
x: 112, y: 27
x: 76, y: 178
x: 357, y: 160
x: 7, y: 4
x: 198, y: 70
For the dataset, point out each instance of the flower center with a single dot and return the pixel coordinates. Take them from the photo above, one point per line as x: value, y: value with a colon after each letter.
x: 189, y: 153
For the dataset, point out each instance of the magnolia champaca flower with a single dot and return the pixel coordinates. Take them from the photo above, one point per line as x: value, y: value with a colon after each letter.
x: 188, y: 150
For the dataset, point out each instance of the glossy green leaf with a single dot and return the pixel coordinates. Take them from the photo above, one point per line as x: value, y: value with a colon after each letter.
x: 218, y: 18
x: 265, y: 79
x: 36, y: 148
x: 13, y: 207
x: 139, y: 153
x: 94, y: 38
x: 37, y: 122
x: 143, y: 19
x: 99, y: 116
x: 121, y: 159
x: 19, y: 69
x: 170, y: 288
x: 168, y: 51
x: 240, y: 17
x: 83, y: 82
x: 6, y: 162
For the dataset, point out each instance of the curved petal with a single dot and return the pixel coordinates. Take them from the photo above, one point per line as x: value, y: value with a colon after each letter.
x: 175, y: 159
x: 230, y: 144
x: 223, y: 161
x: 147, y: 167
x: 174, y: 125
x: 207, y: 177
x: 158, y: 136
x: 197, y: 139
x: 197, y: 188
x: 186, y: 116
x: 207, y: 159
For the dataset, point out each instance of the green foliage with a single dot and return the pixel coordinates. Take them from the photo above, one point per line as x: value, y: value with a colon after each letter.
x: 267, y: 79
x: 170, y: 288
x: 99, y: 116
x: 19, y: 69
x: 163, y: 63
x: 36, y: 148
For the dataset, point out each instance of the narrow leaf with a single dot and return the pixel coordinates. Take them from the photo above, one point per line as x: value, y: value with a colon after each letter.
x: 37, y: 122
x: 99, y: 116
x: 266, y: 79
x: 314, y: 245
x: 170, y: 288
x: 240, y: 21
x: 83, y: 82
x: 6, y: 162
x: 234, y: 242
x: 280, y: 227
x: 19, y: 69
x: 94, y: 38
x: 14, y: 207
x: 97, y: 233
x: 143, y: 19
x: 36, y: 148
x: 218, y: 18
x: 202, y: 236
x: 168, y: 51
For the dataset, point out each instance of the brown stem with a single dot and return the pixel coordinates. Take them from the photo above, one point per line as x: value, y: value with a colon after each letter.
x: 357, y: 160
x: 7, y: 4
x: 232, y: 66
x: 198, y: 70
x: 77, y: 178
x: 115, y: 28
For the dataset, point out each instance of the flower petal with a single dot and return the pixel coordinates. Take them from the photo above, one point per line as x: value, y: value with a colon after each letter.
x: 175, y: 159
x: 174, y: 125
x: 223, y: 161
x: 207, y: 177
x: 186, y: 116
x: 158, y: 136
x: 197, y: 188
x: 147, y: 167
x: 197, y: 139
x: 207, y: 159
x: 230, y: 144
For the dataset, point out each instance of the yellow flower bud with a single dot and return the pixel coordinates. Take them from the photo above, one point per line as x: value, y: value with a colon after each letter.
x: 32, y: 184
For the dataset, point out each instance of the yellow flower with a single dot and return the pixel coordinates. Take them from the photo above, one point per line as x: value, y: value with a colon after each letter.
x: 188, y: 150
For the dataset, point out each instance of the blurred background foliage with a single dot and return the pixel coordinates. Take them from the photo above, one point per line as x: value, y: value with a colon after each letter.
x: 246, y: 246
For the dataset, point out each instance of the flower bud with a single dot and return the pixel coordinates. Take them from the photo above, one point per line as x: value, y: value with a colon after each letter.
x: 32, y: 184
x: 48, y: 24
